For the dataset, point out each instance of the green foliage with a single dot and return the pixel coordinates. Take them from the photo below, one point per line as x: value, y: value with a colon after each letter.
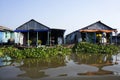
x: 12, y: 52
x: 39, y: 42
x: 41, y: 52
x: 85, y: 47
x: 29, y: 42
x: 1, y: 53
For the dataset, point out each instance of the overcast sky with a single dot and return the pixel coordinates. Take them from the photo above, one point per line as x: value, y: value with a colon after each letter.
x: 64, y: 14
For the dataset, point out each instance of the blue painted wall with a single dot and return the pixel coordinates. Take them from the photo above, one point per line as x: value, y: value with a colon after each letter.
x: 1, y: 37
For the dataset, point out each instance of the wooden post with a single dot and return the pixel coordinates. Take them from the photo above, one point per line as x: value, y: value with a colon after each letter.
x: 94, y: 37
x: 116, y: 37
x: 28, y: 39
x: 103, y: 38
x: 37, y: 39
x: 111, y: 37
x: 19, y: 36
x: 48, y: 38
x: 86, y: 37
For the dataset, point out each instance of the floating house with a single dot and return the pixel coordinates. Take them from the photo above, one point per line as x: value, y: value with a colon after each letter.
x: 97, y: 32
x: 35, y: 32
x: 6, y: 35
x: 116, y: 39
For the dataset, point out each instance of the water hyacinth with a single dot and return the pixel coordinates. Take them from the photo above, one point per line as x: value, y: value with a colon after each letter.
x: 41, y: 52
x: 85, y: 47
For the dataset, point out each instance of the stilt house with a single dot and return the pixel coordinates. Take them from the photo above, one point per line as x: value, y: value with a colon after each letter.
x: 95, y: 33
x: 35, y: 32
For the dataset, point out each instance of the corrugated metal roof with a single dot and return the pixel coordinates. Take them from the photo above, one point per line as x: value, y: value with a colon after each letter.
x: 32, y: 25
x: 2, y: 28
x: 97, y: 26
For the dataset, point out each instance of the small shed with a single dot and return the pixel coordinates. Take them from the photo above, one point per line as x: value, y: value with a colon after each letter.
x: 73, y: 37
x: 33, y: 32
x: 97, y: 32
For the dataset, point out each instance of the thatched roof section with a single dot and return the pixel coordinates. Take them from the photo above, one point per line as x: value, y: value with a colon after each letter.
x: 2, y: 28
x: 97, y: 27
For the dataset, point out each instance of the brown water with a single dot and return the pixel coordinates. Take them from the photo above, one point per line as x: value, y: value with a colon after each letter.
x: 68, y: 66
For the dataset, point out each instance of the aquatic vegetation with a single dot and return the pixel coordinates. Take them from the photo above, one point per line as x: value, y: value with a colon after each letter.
x: 41, y: 52
x: 1, y: 53
x: 46, y: 52
x: 12, y: 52
x: 85, y: 47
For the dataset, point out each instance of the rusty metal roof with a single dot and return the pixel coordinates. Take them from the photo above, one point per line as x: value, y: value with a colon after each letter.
x: 2, y: 28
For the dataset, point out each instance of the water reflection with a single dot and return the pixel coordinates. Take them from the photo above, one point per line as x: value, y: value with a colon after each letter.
x: 4, y: 61
x: 71, y: 65
x: 97, y: 60
x: 32, y: 67
x: 71, y: 69
x: 92, y: 58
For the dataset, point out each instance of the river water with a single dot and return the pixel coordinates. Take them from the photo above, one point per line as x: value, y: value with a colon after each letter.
x: 75, y: 65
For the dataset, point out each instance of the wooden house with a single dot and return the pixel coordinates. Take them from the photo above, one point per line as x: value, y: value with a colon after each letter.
x: 6, y: 35
x: 34, y: 32
x: 97, y: 32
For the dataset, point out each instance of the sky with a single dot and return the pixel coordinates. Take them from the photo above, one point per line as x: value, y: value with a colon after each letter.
x: 70, y: 15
